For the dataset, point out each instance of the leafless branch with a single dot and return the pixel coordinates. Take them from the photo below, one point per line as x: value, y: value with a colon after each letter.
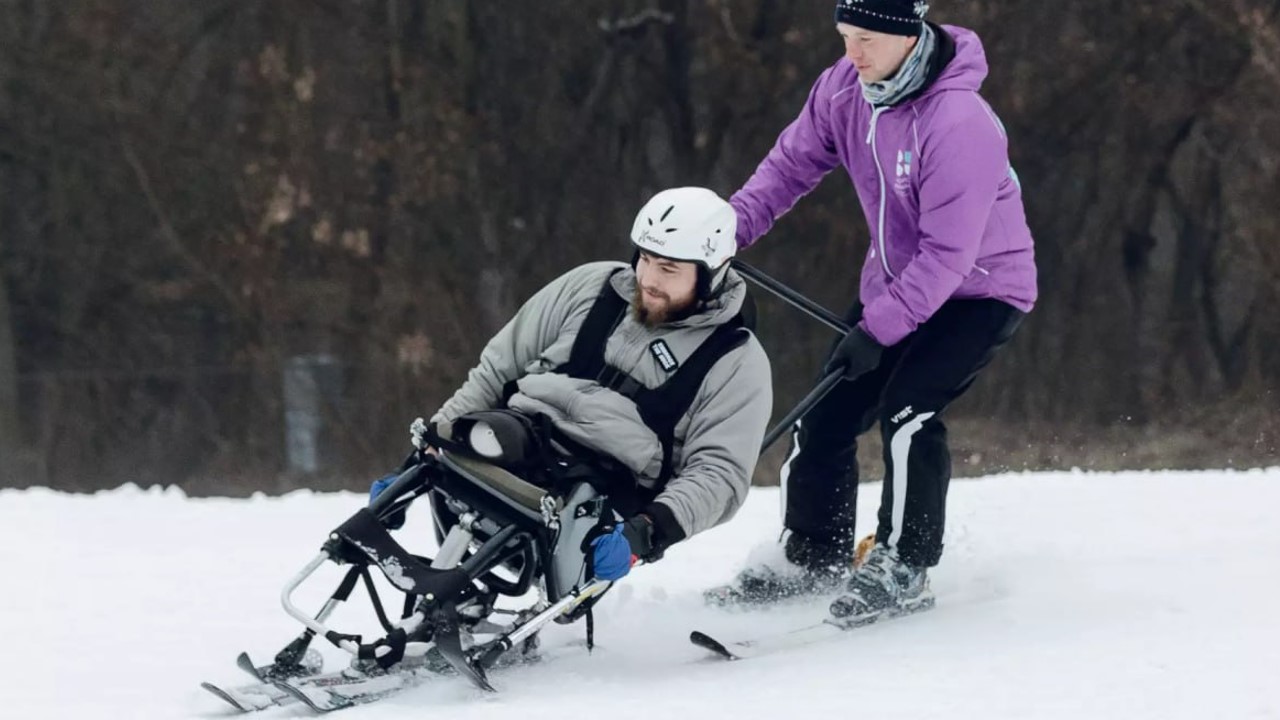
x: 636, y: 24
x: 192, y: 261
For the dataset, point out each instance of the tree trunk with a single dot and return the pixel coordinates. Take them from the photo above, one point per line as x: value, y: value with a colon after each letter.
x: 10, y: 442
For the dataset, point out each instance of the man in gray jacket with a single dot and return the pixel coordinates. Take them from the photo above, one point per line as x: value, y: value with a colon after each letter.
x: 604, y: 351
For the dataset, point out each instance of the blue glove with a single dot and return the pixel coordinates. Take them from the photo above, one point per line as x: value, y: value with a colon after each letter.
x: 611, y: 555
x: 379, y: 485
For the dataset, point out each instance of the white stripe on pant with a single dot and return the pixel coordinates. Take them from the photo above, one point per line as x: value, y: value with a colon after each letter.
x: 900, y: 448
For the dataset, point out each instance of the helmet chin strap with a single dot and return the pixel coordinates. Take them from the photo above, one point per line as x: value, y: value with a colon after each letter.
x: 711, y: 284
x: 717, y: 279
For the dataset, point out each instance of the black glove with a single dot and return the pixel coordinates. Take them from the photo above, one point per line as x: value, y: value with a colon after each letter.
x: 638, y: 531
x: 856, y: 354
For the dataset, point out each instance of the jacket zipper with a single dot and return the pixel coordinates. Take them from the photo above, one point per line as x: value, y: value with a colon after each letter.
x: 875, y: 155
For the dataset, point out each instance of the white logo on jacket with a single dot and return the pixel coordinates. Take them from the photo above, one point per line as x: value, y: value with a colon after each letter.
x: 902, y: 183
x: 904, y: 162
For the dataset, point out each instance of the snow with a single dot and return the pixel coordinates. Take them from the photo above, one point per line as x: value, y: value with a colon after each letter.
x: 1061, y: 595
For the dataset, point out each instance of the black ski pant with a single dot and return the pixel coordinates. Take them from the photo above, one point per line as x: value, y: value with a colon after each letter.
x: 907, y: 393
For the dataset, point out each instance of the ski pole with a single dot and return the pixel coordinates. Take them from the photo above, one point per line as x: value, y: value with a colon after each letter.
x: 795, y: 299
x: 805, y: 405
x: 813, y: 310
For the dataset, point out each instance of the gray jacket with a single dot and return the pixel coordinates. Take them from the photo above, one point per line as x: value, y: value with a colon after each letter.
x: 717, y: 442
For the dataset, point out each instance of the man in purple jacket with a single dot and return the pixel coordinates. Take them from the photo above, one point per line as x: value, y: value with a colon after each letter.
x: 948, y: 277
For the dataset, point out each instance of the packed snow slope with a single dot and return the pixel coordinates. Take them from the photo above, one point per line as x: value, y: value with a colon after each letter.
x: 1061, y: 595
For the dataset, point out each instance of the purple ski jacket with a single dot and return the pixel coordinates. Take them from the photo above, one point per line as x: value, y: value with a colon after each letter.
x: 933, y: 176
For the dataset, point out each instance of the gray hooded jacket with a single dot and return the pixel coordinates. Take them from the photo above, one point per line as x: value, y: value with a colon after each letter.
x: 717, y: 442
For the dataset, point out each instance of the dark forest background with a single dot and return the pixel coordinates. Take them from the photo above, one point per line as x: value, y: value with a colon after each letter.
x: 244, y: 243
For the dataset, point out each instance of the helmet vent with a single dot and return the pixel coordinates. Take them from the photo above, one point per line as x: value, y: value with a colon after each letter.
x: 665, y: 214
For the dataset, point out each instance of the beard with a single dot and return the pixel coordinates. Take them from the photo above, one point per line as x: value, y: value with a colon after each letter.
x: 652, y: 317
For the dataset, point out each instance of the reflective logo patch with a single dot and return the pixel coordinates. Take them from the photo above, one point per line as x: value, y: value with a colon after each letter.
x: 663, y: 354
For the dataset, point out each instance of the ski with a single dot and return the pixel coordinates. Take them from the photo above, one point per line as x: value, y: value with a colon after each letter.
x: 250, y: 698
x: 262, y: 694
x: 798, y: 637
x: 355, y: 689
x: 751, y: 647
x: 323, y: 695
x: 267, y: 692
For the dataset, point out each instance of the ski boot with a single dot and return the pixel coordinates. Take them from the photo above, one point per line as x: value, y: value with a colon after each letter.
x: 811, y: 569
x: 882, y: 587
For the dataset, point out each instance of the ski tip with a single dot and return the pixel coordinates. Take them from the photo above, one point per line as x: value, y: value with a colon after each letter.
x: 225, y: 697
x: 328, y: 704
x: 245, y: 663
x: 707, y: 642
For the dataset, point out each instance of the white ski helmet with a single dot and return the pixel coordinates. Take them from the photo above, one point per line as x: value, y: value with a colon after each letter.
x: 690, y: 224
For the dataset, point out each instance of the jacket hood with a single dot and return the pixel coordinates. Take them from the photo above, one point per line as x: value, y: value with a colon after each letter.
x: 968, y: 69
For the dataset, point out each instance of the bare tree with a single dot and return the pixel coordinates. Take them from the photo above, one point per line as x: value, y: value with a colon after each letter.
x: 10, y: 438
x: 196, y: 192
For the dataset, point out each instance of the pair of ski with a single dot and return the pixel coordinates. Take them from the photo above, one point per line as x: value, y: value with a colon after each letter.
x: 326, y: 692
x: 321, y: 692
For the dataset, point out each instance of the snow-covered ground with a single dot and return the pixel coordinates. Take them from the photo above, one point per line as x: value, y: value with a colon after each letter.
x: 1133, y: 595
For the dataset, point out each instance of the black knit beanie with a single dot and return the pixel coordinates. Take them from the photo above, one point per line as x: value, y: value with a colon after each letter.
x: 896, y: 17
